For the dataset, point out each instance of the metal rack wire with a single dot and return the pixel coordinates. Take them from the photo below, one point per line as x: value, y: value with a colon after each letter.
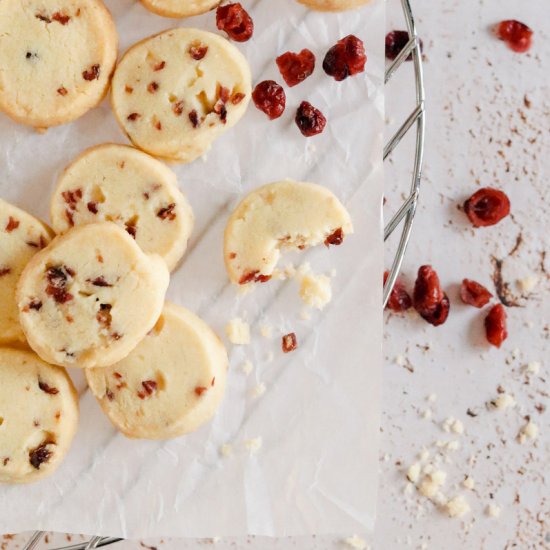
x: 405, y: 214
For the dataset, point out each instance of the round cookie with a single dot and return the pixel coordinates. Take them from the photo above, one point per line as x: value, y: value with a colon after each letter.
x: 57, y: 58
x: 38, y: 416
x: 282, y: 215
x: 333, y: 5
x: 180, y: 8
x: 121, y: 184
x: 21, y: 237
x: 90, y: 297
x: 176, y: 92
x: 171, y: 384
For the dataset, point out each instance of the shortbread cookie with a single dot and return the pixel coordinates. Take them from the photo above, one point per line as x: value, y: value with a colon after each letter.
x: 333, y: 5
x: 90, y: 297
x: 282, y: 215
x: 121, y: 184
x: 176, y: 92
x: 180, y: 8
x: 56, y: 57
x: 38, y: 416
x: 171, y: 384
x: 21, y: 237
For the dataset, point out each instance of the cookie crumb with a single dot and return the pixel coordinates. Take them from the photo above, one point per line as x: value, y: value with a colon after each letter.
x: 413, y: 473
x: 258, y: 391
x: 316, y: 290
x: 247, y: 367
x: 238, y: 332
x: 468, y: 483
x: 529, y: 431
x: 502, y: 401
x: 457, y: 507
x: 266, y: 331
x: 356, y: 542
x: 532, y: 367
x: 527, y: 284
x: 432, y: 482
x: 253, y: 445
x: 493, y: 511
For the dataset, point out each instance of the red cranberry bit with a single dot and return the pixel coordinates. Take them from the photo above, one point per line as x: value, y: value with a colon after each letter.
x: 198, y: 51
x: 4, y: 271
x: 296, y: 67
x: 439, y: 315
x: 270, y: 98
x: 133, y: 116
x: 289, y: 342
x: 518, y: 36
x: 47, y: 388
x: 62, y: 91
x: 487, y: 207
x: 474, y: 294
x: 235, y: 21
x: 310, y: 120
x: 44, y: 18
x: 335, y: 239
x: 92, y: 73
x: 427, y: 293
x: 110, y: 395
x: 152, y: 87
x: 39, y: 455
x: 12, y: 224
x: 149, y: 386
x: 253, y: 277
x: 194, y: 118
x: 199, y: 390
x: 92, y: 207
x: 99, y: 281
x: 237, y: 98
x: 159, y: 66
x: 346, y: 58
x: 395, y: 42
x: 57, y: 283
x: 167, y: 213
x: 399, y: 299
x: 177, y: 108
x: 33, y: 304
x: 61, y: 18
x: 72, y: 197
x: 495, y: 325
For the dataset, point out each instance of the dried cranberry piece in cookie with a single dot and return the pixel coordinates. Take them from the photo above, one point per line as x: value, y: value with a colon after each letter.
x: 399, y: 299
x: 296, y: 67
x: 517, y: 35
x: 474, y: 294
x: 310, y: 120
x: 495, y: 325
x: 427, y: 293
x: 346, y: 58
x: 395, y: 42
x: 235, y: 21
x: 487, y: 207
x: 270, y: 98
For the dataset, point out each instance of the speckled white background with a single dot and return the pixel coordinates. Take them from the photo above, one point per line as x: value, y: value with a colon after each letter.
x: 488, y: 122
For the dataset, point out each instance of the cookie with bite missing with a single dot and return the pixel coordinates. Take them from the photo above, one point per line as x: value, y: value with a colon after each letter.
x: 176, y: 92
x: 90, y: 297
x: 57, y: 58
x: 171, y: 383
x: 180, y: 8
x: 118, y: 183
x: 38, y: 416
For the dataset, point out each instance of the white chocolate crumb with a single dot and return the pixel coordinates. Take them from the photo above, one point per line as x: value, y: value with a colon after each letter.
x: 431, y: 483
x: 238, y: 332
x: 431, y: 398
x: 247, y: 367
x: 468, y: 483
x: 502, y: 401
x: 253, y: 445
x: 457, y: 506
x: 426, y: 413
x: 493, y: 510
x: 266, y: 331
x: 413, y: 473
x: 529, y: 431
x: 356, y: 542
x: 527, y: 284
x: 316, y: 290
x: 533, y: 367
x: 226, y: 450
x: 258, y: 391
x: 453, y: 445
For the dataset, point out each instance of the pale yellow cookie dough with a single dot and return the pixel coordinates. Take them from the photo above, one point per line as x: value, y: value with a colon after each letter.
x: 282, y: 215
x: 38, y: 416
x: 176, y: 92
x: 171, y: 384
x: 56, y: 59
x: 21, y: 237
x: 90, y: 297
x: 180, y: 8
x: 119, y: 183
x: 333, y: 5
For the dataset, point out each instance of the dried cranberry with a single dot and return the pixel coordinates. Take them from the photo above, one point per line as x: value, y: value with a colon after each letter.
x: 194, y: 118
x: 399, y: 299
x: 198, y: 51
x: 427, y: 293
x: 336, y: 238
x: 99, y: 281
x: 235, y: 21
x: 92, y: 73
x: 346, y: 58
x: 439, y: 315
x: 289, y: 342
x: 62, y: 91
x: 199, y: 390
x: 61, y: 18
x: 310, y: 120
x: 487, y: 207
x: 167, y: 212
x: 12, y: 224
x: 253, y: 277
x: 474, y: 294
x: 296, y: 67
x: 495, y: 325
x: 92, y: 207
x: 47, y: 388
x: 39, y: 455
x: 395, y: 42
x: 57, y: 283
x: 270, y: 98
x: 5, y: 271
x: 518, y: 36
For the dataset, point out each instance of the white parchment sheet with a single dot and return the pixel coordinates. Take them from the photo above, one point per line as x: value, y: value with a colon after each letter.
x: 319, y: 417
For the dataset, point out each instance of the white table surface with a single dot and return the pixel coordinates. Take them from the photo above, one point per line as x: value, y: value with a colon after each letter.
x: 480, y: 95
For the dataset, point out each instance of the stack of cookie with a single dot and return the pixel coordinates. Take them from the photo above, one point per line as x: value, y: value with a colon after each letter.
x: 89, y: 292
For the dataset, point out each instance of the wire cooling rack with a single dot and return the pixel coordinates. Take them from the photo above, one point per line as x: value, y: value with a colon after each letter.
x: 404, y: 216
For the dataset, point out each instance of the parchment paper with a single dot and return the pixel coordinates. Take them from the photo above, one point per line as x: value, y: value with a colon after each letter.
x: 319, y: 418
